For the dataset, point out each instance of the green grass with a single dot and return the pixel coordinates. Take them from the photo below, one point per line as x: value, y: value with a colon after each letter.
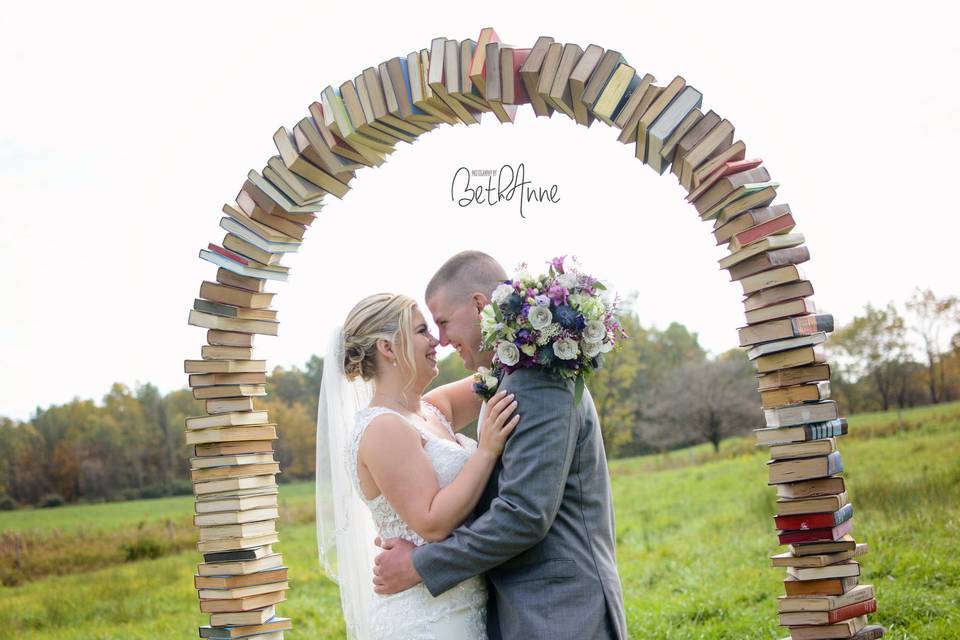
x: 108, y: 516
x: 694, y: 532
x: 82, y: 538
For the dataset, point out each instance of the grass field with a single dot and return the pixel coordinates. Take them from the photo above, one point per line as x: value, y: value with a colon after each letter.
x: 693, y: 527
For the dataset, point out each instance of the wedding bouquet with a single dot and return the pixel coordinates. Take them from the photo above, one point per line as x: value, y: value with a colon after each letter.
x: 563, y: 321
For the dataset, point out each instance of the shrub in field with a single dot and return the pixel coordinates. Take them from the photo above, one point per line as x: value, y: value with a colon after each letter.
x: 154, y: 491
x: 51, y: 500
x: 182, y: 487
x: 143, y: 547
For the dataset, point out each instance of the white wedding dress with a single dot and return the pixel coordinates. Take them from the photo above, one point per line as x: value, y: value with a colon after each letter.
x: 414, y: 614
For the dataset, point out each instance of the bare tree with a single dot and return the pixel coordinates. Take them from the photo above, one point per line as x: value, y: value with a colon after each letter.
x: 706, y: 401
x: 875, y: 346
x: 933, y: 315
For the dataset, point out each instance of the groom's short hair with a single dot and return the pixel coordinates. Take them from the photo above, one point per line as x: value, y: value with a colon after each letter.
x: 467, y: 272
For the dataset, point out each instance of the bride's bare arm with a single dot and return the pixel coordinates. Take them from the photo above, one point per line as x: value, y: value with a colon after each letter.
x: 391, y: 451
x: 457, y: 401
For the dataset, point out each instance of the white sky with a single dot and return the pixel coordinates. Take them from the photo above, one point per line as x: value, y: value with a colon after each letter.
x: 125, y: 127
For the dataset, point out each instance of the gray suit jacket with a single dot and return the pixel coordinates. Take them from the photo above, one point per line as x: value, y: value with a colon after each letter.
x: 544, y: 529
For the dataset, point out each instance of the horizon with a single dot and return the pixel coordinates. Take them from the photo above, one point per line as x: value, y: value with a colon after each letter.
x: 124, y: 149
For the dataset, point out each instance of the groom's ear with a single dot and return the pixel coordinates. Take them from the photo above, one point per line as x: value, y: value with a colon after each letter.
x: 480, y: 301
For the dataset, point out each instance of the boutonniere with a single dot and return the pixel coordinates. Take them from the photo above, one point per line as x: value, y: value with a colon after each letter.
x: 485, y: 383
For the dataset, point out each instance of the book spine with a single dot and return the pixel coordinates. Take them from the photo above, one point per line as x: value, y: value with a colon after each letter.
x: 816, y: 535
x: 764, y: 229
x: 226, y: 253
x: 823, y: 430
x: 870, y: 632
x: 852, y: 611
x: 834, y: 464
x: 815, y: 520
x: 806, y: 325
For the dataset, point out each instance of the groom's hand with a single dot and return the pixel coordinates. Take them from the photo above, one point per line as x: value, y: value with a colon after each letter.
x: 393, y: 569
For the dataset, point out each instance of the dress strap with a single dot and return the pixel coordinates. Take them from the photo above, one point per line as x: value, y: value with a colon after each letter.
x: 366, y: 416
x: 432, y: 408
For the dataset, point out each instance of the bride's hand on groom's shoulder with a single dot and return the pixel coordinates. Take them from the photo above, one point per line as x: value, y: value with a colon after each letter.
x: 498, y: 423
x: 393, y: 570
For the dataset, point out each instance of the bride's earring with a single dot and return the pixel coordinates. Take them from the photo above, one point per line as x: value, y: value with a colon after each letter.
x: 394, y: 363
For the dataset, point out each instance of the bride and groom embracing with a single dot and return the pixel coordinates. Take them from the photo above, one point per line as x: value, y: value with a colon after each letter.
x: 508, y: 537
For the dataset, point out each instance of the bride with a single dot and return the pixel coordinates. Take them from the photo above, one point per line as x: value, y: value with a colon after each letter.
x: 391, y: 463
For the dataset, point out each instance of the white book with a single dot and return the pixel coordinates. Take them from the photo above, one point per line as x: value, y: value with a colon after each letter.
x: 237, y: 229
x: 241, y: 269
x: 786, y: 344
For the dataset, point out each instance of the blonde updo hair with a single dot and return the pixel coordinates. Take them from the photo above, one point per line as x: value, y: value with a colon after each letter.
x: 382, y: 316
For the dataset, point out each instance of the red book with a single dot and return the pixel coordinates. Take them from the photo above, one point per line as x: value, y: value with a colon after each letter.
x: 776, y: 225
x: 519, y: 89
x: 226, y: 253
x: 852, y: 611
x: 806, y: 521
x: 816, y: 535
x: 728, y: 168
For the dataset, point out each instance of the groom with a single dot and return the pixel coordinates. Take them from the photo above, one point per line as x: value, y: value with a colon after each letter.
x: 543, y: 531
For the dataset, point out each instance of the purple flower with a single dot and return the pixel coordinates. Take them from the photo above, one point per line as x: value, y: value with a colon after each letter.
x: 542, y: 300
x: 557, y: 264
x: 557, y: 294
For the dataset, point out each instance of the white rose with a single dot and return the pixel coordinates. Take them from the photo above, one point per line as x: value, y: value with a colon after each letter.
x: 502, y: 293
x: 508, y: 353
x: 488, y: 318
x: 591, y: 349
x: 539, y: 317
x: 567, y: 280
x: 489, y: 380
x: 566, y: 348
x: 525, y: 279
x: 594, y: 331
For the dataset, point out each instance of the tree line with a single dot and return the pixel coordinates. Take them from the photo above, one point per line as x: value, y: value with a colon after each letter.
x: 661, y: 391
x: 898, y: 356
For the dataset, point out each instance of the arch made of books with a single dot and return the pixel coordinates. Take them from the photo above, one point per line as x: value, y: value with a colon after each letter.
x: 357, y: 125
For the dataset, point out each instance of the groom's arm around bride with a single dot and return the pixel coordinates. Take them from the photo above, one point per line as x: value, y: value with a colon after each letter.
x: 544, y: 534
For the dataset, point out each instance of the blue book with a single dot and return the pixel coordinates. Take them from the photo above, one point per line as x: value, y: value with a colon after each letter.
x: 405, y: 69
x: 229, y: 632
x: 802, y: 433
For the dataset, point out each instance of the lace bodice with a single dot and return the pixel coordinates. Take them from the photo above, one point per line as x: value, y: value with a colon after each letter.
x: 447, y: 457
x: 457, y: 614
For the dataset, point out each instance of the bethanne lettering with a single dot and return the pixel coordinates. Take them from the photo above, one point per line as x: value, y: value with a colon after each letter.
x: 508, y: 182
